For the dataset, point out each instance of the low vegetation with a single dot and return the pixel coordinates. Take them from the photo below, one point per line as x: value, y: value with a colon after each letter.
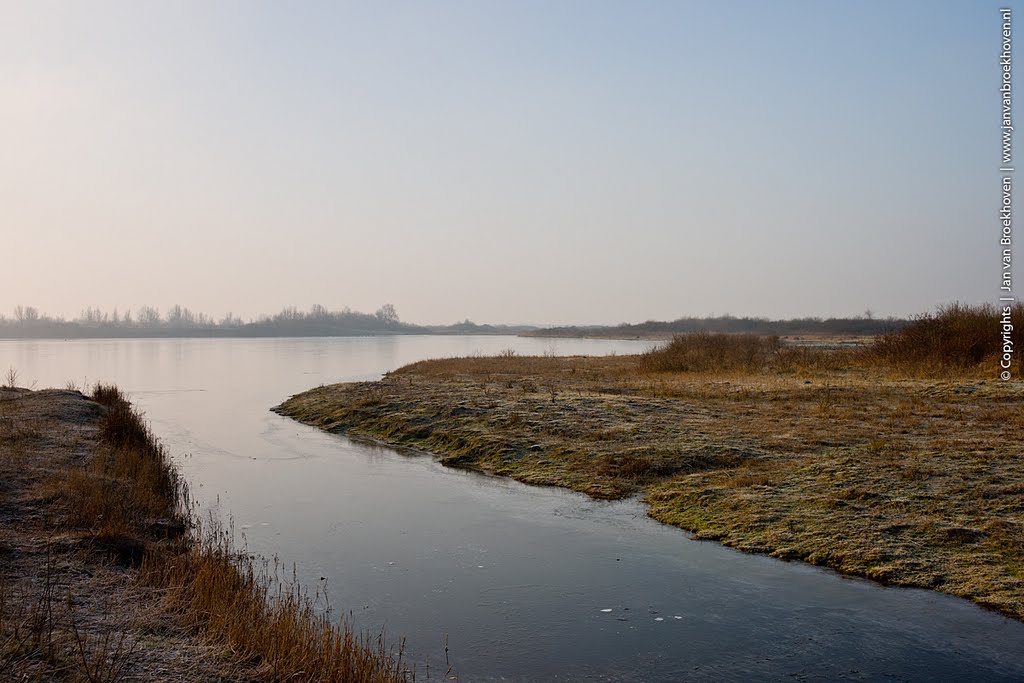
x: 956, y: 338
x: 106, y: 577
x: 893, y: 461
x: 712, y: 352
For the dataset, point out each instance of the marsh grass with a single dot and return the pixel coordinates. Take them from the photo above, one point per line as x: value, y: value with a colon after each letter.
x: 128, y: 493
x: 233, y: 600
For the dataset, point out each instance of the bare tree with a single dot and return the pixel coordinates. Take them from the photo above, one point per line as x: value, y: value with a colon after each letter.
x: 387, y: 313
x: 149, y: 316
x: 26, y: 314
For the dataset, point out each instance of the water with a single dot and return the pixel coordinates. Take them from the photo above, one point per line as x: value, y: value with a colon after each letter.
x: 528, y: 584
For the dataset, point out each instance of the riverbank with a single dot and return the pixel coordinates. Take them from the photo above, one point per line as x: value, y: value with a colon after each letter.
x: 905, y: 480
x: 104, y: 575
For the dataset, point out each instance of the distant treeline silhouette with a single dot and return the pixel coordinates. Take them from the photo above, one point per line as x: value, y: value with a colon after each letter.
x: 179, y: 321
x: 866, y: 325
x: 28, y: 323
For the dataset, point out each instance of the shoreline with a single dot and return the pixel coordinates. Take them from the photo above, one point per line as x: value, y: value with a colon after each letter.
x: 804, y: 467
x: 106, y: 575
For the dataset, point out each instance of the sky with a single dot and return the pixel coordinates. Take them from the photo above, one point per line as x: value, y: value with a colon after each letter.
x: 506, y: 162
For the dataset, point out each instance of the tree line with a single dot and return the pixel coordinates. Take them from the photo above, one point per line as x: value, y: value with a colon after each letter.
x: 29, y: 322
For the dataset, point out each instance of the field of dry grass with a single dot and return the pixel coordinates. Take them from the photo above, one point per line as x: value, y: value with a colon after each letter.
x: 104, y: 576
x: 909, y: 473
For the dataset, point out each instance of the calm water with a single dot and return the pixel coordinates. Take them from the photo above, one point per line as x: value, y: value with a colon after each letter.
x: 529, y: 584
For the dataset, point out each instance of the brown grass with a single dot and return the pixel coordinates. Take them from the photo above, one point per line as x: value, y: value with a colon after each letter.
x: 128, y: 487
x: 231, y: 600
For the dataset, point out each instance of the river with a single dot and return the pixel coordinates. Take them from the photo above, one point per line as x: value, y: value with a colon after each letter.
x: 523, y: 583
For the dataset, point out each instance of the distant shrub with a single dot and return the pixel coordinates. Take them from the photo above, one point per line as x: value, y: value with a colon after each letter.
x: 955, y: 337
x: 710, y: 352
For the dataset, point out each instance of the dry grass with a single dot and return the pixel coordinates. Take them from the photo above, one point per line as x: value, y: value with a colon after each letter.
x: 231, y: 600
x: 128, y: 488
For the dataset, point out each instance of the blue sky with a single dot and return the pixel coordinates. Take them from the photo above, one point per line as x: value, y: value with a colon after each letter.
x: 509, y: 162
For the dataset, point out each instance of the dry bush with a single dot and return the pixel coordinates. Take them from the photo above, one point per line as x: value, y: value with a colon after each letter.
x: 711, y: 352
x: 956, y: 337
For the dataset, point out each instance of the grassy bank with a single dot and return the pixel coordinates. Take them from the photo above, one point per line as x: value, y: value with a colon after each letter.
x: 105, y: 577
x: 896, y: 462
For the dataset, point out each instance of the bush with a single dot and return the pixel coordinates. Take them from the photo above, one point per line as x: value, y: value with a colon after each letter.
x: 708, y: 352
x: 956, y: 337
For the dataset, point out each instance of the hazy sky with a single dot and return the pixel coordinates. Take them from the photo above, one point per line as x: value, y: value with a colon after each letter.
x: 514, y: 161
